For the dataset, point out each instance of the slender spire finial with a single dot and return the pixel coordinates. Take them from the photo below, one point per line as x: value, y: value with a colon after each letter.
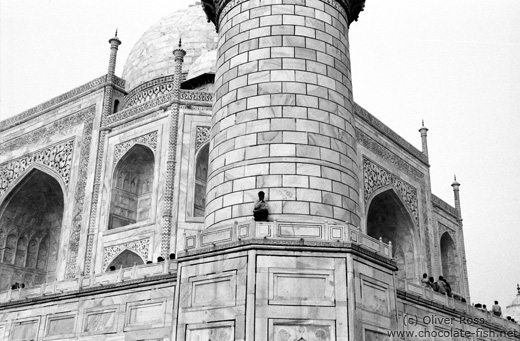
x: 180, y: 42
x: 455, y: 177
x: 423, y: 123
x: 116, y: 32
x: 518, y: 288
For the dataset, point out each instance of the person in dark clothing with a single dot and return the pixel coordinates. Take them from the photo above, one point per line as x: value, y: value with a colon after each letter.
x: 433, y: 284
x: 261, y: 210
x: 446, y: 285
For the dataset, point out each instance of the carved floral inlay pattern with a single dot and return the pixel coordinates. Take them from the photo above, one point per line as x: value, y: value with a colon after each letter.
x: 376, y: 177
x: 149, y: 140
x: 57, y: 157
x: 149, y: 90
x: 203, y: 135
x: 307, y: 332
x: 141, y: 247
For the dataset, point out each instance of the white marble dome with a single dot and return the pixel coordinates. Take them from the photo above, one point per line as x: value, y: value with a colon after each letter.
x: 206, y: 63
x: 513, y: 309
x: 151, y: 57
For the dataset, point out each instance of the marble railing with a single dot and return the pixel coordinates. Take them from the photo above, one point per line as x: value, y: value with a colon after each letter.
x: 285, y: 230
x: 450, y: 302
x: 83, y: 282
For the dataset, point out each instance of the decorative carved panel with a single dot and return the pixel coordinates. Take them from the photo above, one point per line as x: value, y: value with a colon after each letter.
x: 141, y: 247
x: 57, y: 157
x: 203, y: 135
x: 299, y: 332
x: 376, y: 177
x: 149, y: 140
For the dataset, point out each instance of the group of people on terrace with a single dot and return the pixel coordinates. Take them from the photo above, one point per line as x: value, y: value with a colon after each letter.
x: 441, y: 286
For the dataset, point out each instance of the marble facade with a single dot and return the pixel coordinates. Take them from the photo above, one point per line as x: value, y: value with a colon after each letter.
x: 275, y: 114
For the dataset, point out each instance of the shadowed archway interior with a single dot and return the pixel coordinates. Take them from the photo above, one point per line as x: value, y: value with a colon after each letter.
x: 449, y: 261
x: 132, y: 188
x: 30, y: 229
x: 126, y: 259
x: 388, y: 218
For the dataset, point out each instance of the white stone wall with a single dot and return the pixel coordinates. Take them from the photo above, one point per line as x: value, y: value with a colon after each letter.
x: 282, y: 120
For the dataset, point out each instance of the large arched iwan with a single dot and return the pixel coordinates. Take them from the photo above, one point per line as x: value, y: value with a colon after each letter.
x: 30, y: 230
x: 389, y: 219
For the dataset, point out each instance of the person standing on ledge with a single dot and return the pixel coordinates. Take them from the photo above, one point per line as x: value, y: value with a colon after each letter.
x: 261, y: 211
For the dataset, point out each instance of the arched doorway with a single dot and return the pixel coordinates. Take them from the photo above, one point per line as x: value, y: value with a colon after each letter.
x: 31, y: 219
x: 449, y: 261
x: 126, y: 259
x: 388, y: 218
x: 132, y: 187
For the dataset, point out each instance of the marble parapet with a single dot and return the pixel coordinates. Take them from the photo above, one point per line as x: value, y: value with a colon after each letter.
x: 448, y: 305
x: 290, y: 233
x: 161, y: 101
x: 389, y: 133
x: 82, y: 284
x: 150, y: 90
x: 443, y: 205
x: 71, y: 95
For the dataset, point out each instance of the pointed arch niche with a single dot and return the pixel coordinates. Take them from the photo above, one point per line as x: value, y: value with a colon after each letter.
x: 389, y: 219
x: 126, y: 259
x: 31, y: 221
x: 449, y: 261
x: 201, y: 178
x: 132, y: 188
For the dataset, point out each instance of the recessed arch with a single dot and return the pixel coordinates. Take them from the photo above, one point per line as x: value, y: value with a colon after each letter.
x: 132, y: 186
x: 33, y: 207
x: 25, y: 176
x: 201, y: 178
x: 388, y: 218
x: 126, y: 259
x: 449, y: 261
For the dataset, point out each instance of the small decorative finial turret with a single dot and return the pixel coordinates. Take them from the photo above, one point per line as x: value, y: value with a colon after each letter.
x: 114, y: 43
x: 179, y: 53
x: 424, y: 139
x: 518, y: 289
x: 456, y: 186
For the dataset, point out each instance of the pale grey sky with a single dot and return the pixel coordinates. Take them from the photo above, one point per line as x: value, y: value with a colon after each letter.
x: 455, y: 64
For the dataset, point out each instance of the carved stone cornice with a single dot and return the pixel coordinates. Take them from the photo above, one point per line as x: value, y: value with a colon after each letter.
x: 215, y: 8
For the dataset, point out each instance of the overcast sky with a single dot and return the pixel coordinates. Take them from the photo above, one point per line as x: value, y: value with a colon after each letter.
x: 455, y: 64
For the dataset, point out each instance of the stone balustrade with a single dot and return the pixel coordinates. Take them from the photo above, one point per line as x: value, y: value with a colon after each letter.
x: 285, y: 230
x: 74, y: 285
x: 450, y: 302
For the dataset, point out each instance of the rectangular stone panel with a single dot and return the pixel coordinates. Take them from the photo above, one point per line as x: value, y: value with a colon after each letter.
x: 213, y: 290
x: 216, y: 237
x: 296, y: 330
x: 300, y: 230
x: 301, y: 287
x: 60, y: 325
x: 375, y: 296
x: 25, y: 330
x: 145, y: 314
x: 221, y: 331
x: 100, y: 321
x: 264, y: 229
x: 372, y: 335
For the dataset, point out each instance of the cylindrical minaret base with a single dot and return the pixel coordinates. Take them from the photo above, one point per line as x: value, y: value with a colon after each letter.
x: 282, y: 118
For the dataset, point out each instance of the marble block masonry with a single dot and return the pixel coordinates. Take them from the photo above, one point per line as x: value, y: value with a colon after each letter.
x: 126, y: 203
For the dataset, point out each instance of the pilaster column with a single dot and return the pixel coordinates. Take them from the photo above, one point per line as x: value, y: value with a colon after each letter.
x: 283, y: 112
